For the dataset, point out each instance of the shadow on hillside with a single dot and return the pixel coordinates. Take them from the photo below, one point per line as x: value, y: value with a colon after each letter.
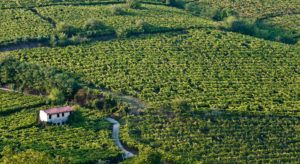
x: 18, y: 109
x: 265, y: 31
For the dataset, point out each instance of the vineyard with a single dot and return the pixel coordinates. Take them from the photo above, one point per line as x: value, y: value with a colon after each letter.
x: 37, y: 24
x: 13, y: 101
x: 209, y: 68
x: 21, y: 25
x: 5, y: 4
x: 216, y: 136
x: 169, y: 18
x: 205, y: 81
x: 89, y: 136
x: 291, y: 22
x: 258, y: 8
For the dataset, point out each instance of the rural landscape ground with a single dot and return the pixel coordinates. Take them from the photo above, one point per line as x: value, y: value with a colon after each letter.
x: 150, y: 81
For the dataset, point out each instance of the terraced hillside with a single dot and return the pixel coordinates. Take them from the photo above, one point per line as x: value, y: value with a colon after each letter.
x: 194, y: 91
x: 89, y: 136
x: 210, y: 68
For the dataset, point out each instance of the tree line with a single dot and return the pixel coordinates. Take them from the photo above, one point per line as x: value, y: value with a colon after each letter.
x: 58, y: 85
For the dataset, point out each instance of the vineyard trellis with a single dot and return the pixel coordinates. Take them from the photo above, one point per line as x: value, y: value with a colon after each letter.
x: 215, y: 136
x: 211, y: 68
x: 90, y: 136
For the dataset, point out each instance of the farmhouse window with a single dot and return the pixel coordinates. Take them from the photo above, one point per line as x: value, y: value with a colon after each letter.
x: 58, y: 115
x: 63, y: 114
x: 50, y: 116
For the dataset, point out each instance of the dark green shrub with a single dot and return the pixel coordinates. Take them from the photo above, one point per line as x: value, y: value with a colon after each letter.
x: 8, y: 70
x: 53, y: 41
x: 98, y: 104
x: 123, y: 32
x: 66, y: 29
x: 193, y: 8
x: 261, y: 30
x: 78, y: 39
x: 176, y: 3
x: 76, y: 118
x: 244, y: 26
x: 56, y: 96
x: 205, y: 10
x: 62, y: 39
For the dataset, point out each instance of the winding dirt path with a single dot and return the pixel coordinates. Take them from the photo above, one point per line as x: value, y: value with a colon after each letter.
x: 134, y: 103
x: 115, y: 135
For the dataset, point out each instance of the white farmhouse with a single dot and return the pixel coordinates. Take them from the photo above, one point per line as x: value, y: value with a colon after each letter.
x: 56, y: 115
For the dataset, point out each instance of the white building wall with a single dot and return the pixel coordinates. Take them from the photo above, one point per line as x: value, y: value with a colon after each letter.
x: 54, y: 119
x: 43, y: 116
x: 60, y: 119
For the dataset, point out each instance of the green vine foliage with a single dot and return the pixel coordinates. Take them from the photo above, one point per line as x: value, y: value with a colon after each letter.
x: 88, y: 137
x: 208, y: 68
x: 215, y: 136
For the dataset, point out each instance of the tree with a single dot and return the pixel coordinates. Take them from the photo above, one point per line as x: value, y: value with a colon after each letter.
x: 65, y: 83
x: 81, y: 97
x: 56, y: 96
x: 7, y: 70
x: 66, y: 29
x: 76, y: 118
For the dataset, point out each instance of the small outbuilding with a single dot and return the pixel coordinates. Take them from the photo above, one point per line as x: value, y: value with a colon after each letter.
x: 57, y: 116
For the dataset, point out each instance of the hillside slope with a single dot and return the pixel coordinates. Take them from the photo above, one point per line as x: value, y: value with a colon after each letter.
x: 196, y: 92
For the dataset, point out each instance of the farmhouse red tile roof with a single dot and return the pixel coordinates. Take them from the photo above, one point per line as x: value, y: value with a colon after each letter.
x: 59, y: 110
